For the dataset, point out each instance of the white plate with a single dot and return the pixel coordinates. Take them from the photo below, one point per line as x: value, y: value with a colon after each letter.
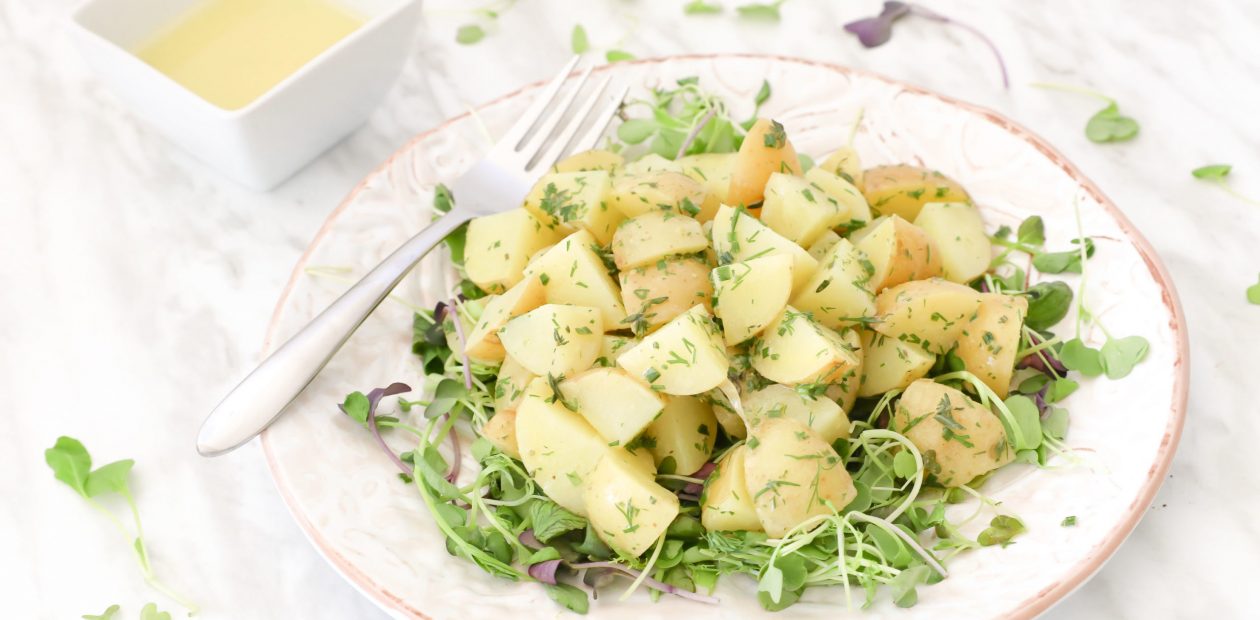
x: 376, y: 532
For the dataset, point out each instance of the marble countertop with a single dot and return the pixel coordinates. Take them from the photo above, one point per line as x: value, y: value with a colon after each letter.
x: 138, y: 283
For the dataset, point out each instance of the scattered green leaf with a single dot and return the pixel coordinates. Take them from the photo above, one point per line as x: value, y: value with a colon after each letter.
x: 569, y: 597
x: 1214, y: 172
x: 1078, y: 356
x: 1253, y: 293
x: 1000, y: 531
x: 108, y: 614
x: 1109, y: 125
x: 700, y: 7
x: 761, y: 11
x: 150, y: 612
x: 469, y: 34
x: 618, y: 55
x: 1120, y: 355
x: 1048, y: 303
x: 1069, y: 521
x: 578, y: 40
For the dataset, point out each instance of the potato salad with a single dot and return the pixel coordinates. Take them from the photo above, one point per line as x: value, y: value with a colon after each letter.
x: 698, y: 353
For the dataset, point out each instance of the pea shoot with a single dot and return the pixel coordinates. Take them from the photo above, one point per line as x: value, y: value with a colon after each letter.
x: 1218, y: 173
x: 1107, y: 124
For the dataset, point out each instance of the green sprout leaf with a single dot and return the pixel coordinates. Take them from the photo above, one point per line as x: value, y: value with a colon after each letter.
x: 1109, y: 125
x: 578, y: 40
x: 550, y: 520
x: 636, y: 130
x: 1055, y: 426
x: 1063, y: 262
x: 1060, y: 389
x: 1000, y: 531
x: 70, y: 463
x: 700, y: 7
x: 150, y: 612
x: 1068, y: 521
x: 356, y: 406
x: 1214, y: 172
x: 1027, y: 431
x: 469, y: 34
x: 1048, y: 303
x: 771, y: 583
x: 1032, y: 231
x: 760, y: 11
x: 903, y: 586
x: 1253, y: 293
x: 569, y: 597
x: 1120, y: 355
x: 108, y: 614
x: 1078, y: 356
x: 618, y: 55
x: 904, y: 466
x: 111, y: 478
x: 445, y: 396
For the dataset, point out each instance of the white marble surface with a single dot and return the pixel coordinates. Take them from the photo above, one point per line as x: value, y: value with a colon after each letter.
x: 138, y: 284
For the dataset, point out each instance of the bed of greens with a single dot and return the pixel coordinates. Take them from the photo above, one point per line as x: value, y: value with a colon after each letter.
x: 696, y: 354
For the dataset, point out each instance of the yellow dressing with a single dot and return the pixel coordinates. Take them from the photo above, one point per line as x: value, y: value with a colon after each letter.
x: 230, y: 52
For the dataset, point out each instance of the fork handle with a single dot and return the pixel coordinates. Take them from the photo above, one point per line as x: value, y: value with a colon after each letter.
x: 263, y: 395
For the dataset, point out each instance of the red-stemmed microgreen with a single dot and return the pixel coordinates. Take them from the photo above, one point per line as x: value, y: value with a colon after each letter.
x: 72, y: 465
x: 877, y: 30
x: 1218, y: 173
x: 1107, y: 124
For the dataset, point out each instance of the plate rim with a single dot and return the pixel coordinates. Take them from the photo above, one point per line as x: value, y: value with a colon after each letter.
x: 1031, y: 607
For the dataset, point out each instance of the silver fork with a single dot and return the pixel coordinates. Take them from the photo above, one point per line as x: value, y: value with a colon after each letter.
x: 495, y: 184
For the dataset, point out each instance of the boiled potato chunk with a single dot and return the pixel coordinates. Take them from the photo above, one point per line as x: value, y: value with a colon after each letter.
x: 958, y: 438
x: 568, y: 201
x: 616, y: 404
x: 988, y: 344
x: 800, y: 210
x: 793, y: 475
x: 903, y: 190
x: 740, y: 236
x: 573, y: 273
x: 499, y: 246
x: 890, y: 364
x: 554, y: 339
x: 654, y: 294
x: 726, y: 504
x: 590, y: 160
x: 822, y: 415
x: 611, y: 347
x: 795, y: 350
x: 751, y: 294
x: 659, y: 190
x: 765, y: 150
x: 929, y: 313
x: 844, y: 192
x: 819, y: 248
x: 682, y: 358
x: 713, y: 172
x: 846, y: 164
x: 500, y: 431
x: 559, y: 448
x: 839, y: 293
x: 652, y: 236
x: 627, y: 508
x: 728, y: 418
x: 957, y: 233
x: 650, y: 163
x: 483, y: 341
x: 682, y: 437
x: 509, y: 386
x: 899, y: 252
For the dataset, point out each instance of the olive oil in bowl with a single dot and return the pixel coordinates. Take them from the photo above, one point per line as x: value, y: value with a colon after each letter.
x: 230, y: 52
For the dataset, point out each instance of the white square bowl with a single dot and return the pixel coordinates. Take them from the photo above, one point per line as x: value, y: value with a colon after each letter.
x: 268, y: 140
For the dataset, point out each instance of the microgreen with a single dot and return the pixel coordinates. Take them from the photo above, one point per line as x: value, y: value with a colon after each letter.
x: 700, y: 7
x: 1253, y: 293
x: 72, y: 465
x: 1078, y: 356
x: 684, y: 120
x: 108, y: 614
x: 1119, y: 355
x: 768, y: 11
x: 569, y: 597
x: 472, y: 32
x: 1063, y: 262
x: 150, y: 612
x: 618, y: 55
x: 578, y: 40
x: 469, y: 34
x: 1068, y: 521
x: 1107, y: 124
x: 876, y: 31
x: 1048, y: 303
x: 1217, y: 173
x: 1000, y: 531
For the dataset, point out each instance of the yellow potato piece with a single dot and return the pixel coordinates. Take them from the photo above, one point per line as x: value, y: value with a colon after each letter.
x: 844, y: 192
x: 765, y: 150
x: 749, y: 295
x: 839, y: 294
x: 682, y: 358
x: 483, y: 341
x: 569, y: 201
x: 726, y: 504
x: 928, y: 313
x: 800, y: 210
x: 820, y: 414
x: 616, y: 404
x: 681, y: 438
x: 957, y: 233
x: 509, y: 386
x: 658, y: 190
x: 572, y: 273
x: 819, y: 248
x: 903, y: 190
x: 500, y: 431
x: 713, y: 172
x: 899, y: 252
x: 554, y: 339
x: 796, y: 350
x: 988, y: 344
x: 890, y: 364
x: 845, y: 163
x: 654, y: 294
x: 590, y: 160
x: 958, y: 438
x: 628, y: 509
x: 793, y: 475
x: 499, y: 246
x: 611, y: 347
x: 738, y: 236
x: 655, y: 235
